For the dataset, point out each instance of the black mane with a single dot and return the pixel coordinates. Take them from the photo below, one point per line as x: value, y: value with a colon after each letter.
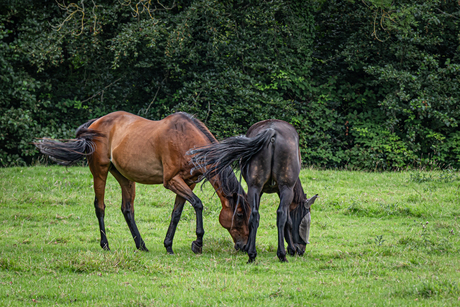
x: 230, y: 185
x: 299, y: 194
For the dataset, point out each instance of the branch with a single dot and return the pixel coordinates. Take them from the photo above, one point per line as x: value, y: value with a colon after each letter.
x: 72, y: 9
x: 375, y: 32
x: 447, y: 14
x: 161, y: 83
x: 146, y: 4
x: 102, y: 91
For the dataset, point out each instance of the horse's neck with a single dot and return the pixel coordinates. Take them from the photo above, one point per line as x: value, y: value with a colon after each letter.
x: 218, y: 183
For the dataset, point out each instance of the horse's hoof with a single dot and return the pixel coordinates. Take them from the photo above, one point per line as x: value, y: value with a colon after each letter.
x: 105, y: 246
x: 299, y: 250
x: 143, y: 249
x: 283, y: 259
x: 196, y: 248
x: 281, y: 256
x: 252, y: 257
x: 291, y: 251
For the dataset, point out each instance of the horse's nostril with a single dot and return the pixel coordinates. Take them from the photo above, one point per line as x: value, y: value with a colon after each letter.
x: 239, y: 246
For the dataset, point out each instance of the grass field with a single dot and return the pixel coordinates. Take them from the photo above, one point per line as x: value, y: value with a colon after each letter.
x: 376, y: 239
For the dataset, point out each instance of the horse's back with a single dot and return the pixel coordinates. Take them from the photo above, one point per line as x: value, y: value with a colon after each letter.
x: 282, y: 128
x: 145, y: 150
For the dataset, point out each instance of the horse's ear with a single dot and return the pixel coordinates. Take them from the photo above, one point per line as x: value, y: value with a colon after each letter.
x: 310, y: 201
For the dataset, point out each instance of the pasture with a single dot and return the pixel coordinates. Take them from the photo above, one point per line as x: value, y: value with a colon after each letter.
x: 376, y: 239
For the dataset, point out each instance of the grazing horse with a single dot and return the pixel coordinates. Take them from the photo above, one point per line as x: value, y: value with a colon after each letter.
x: 134, y: 149
x: 269, y: 159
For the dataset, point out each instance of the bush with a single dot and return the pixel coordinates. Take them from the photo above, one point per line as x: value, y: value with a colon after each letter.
x: 368, y: 84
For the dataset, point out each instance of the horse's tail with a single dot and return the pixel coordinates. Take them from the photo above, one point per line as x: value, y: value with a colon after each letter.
x: 235, y: 151
x: 70, y: 151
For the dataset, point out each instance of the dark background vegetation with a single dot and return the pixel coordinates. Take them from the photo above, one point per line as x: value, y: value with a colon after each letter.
x: 370, y: 84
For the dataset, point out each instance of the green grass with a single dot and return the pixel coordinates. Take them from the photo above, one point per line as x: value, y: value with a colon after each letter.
x: 370, y: 245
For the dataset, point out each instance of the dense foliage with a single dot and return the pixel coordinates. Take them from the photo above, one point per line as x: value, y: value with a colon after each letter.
x: 369, y: 84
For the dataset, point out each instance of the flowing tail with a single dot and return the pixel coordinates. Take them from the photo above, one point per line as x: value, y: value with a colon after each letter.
x: 236, y: 152
x: 71, y: 151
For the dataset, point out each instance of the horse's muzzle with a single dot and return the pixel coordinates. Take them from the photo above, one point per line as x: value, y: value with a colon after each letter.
x: 239, y: 245
x: 300, y: 249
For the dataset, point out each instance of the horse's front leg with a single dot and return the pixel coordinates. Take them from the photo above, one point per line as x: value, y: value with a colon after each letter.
x: 175, y: 217
x: 178, y: 186
x: 286, y: 196
x: 288, y: 236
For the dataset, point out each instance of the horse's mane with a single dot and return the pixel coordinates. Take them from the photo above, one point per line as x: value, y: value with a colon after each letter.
x: 299, y: 194
x: 230, y: 184
x: 197, y: 123
x: 299, y: 198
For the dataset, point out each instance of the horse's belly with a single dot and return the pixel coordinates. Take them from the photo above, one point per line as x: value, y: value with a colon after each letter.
x: 146, y: 172
x: 269, y: 189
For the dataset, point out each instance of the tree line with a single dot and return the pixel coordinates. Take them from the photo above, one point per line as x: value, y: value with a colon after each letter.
x: 371, y: 84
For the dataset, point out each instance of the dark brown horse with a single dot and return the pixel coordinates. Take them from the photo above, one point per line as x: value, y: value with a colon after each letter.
x: 134, y: 149
x: 269, y: 159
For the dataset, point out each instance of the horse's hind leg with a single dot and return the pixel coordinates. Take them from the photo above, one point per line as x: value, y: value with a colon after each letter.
x: 254, y: 193
x: 100, y: 172
x: 128, y: 192
x: 178, y: 186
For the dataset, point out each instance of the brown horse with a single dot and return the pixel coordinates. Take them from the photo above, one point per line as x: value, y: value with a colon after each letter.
x: 134, y: 149
x: 269, y: 159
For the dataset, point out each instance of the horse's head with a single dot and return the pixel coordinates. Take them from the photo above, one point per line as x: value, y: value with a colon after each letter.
x: 234, y: 217
x: 301, y: 220
x: 235, y: 212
